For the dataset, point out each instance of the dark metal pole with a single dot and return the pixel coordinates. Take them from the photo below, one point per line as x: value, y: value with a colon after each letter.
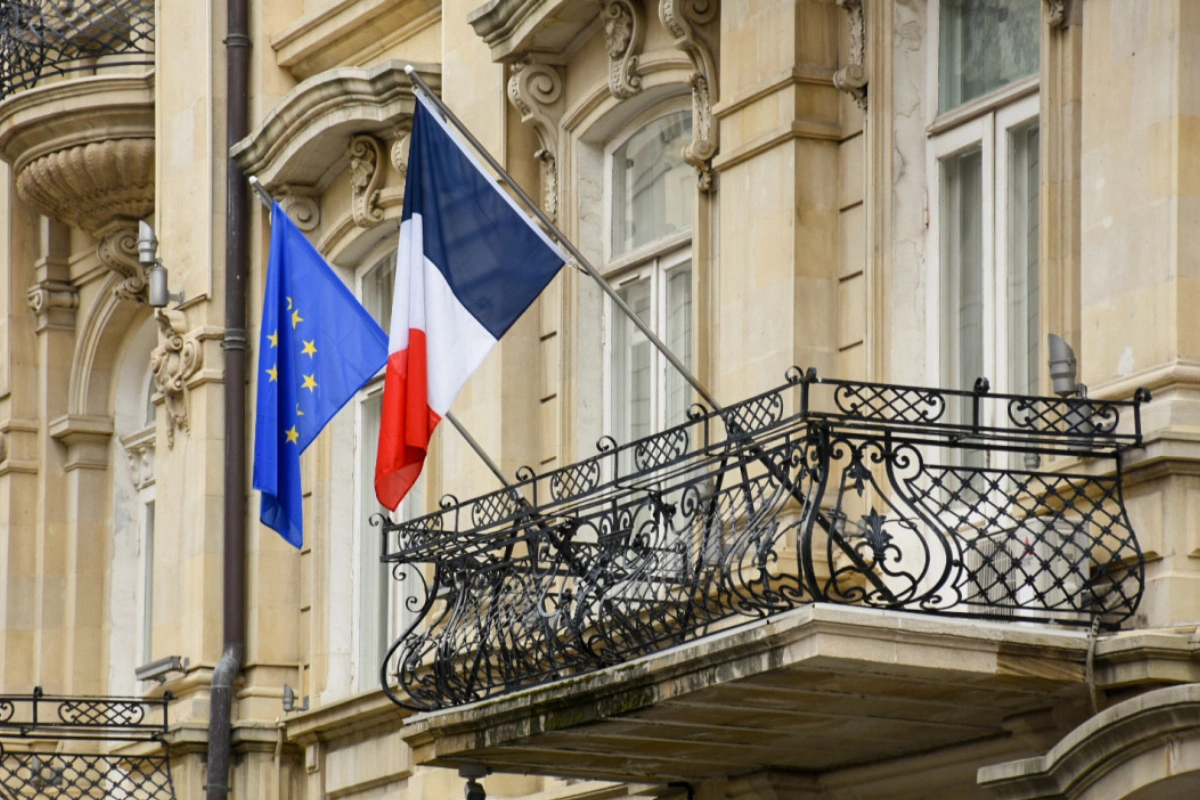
x: 542, y: 217
x: 237, y: 51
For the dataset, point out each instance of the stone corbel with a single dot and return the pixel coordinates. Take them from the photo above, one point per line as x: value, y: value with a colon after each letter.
x: 300, y: 204
x: 399, y: 148
x: 178, y: 357
x: 53, y: 303
x: 536, y: 90
x: 681, y: 18
x: 366, y: 179
x: 139, y: 450
x: 1056, y: 13
x: 117, y: 249
x: 624, y: 32
x: 852, y: 78
x: 86, y: 440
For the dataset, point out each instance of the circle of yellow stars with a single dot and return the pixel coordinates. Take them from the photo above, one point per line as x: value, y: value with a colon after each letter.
x: 292, y: 435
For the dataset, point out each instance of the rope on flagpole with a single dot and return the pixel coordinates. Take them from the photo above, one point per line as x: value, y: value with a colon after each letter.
x: 420, y: 85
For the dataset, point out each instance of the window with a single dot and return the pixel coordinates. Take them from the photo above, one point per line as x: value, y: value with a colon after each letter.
x: 382, y: 616
x: 651, y: 201
x: 985, y: 45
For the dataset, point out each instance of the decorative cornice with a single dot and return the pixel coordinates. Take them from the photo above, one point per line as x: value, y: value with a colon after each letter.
x: 178, y: 356
x: 366, y: 178
x: 53, y: 303
x: 682, y: 18
x: 624, y: 32
x: 852, y: 78
x: 518, y: 29
x: 86, y: 439
x: 536, y: 90
x: 309, y: 132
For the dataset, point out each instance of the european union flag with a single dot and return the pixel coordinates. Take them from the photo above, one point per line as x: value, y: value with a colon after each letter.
x: 319, y: 346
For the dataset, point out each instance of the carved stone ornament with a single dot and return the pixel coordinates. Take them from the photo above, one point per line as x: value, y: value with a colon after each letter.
x: 682, y: 18
x: 117, y: 250
x: 624, y: 32
x: 177, y: 358
x: 536, y: 91
x: 53, y: 303
x: 366, y: 178
x: 89, y: 185
x: 399, y: 149
x: 139, y: 450
x: 300, y: 204
x: 852, y: 78
x: 1056, y: 14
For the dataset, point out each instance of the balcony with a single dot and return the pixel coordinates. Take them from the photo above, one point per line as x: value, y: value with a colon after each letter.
x: 40, y: 39
x: 952, y: 504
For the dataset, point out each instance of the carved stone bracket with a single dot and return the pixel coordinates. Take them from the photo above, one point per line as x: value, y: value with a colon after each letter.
x: 300, y: 204
x: 536, y: 90
x: 852, y: 78
x: 682, y: 18
x: 399, y: 148
x: 1056, y: 13
x: 624, y: 32
x: 139, y: 450
x: 53, y: 303
x: 366, y: 178
x: 117, y: 250
x: 177, y: 358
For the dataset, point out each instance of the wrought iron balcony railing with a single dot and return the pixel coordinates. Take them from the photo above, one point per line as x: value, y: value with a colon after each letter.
x: 41, y: 38
x: 946, y: 502
x: 37, y: 772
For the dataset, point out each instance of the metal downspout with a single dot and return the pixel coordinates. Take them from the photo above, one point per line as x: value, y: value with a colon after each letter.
x: 237, y: 50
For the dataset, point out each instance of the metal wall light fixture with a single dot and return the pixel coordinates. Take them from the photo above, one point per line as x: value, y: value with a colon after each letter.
x: 289, y: 700
x: 1063, y: 368
x: 160, y: 295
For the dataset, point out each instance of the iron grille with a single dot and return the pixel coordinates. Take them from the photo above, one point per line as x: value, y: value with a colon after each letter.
x: 36, y: 772
x: 961, y: 503
x: 42, y: 38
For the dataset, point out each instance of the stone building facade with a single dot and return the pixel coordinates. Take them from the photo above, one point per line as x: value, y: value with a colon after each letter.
x: 913, y: 192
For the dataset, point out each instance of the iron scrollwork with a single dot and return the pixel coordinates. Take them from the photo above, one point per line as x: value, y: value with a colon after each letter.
x: 893, y: 497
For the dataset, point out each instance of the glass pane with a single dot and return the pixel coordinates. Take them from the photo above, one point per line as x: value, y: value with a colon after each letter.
x: 631, y: 375
x: 652, y: 186
x: 148, y: 587
x: 378, y: 287
x: 373, y: 590
x: 1024, y: 324
x: 679, y: 339
x: 962, y: 256
x: 985, y: 44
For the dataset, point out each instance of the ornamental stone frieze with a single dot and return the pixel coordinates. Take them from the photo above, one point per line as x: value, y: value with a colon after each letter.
x: 536, y: 90
x: 688, y: 22
x: 82, y: 153
x: 177, y: 358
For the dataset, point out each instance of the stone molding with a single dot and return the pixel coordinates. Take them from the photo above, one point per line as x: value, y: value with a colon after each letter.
x: 139, y: 450
x: 685, y: 20
x: 179, y: 355
x: 1162, y: 722
x: 852, y: 78
x: 536, y: 90
x: 366, y: 177
x: 301, y: 206
x: 53, y: 303
x: 86, y: 439
x: 624, y: 33
x: 516, y: 28
x: 304, y: 141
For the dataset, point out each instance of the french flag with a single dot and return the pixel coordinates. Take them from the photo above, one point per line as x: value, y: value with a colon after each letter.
x: 470, y: 263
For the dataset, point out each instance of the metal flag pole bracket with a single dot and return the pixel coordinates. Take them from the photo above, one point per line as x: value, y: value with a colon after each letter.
x: 261, y: 191
x: 534, y: 209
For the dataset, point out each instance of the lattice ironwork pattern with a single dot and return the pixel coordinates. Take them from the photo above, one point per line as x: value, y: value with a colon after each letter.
x: 961, y: 503
x: 43, y: 38
x: 103, y: 777
x: 44, y: 716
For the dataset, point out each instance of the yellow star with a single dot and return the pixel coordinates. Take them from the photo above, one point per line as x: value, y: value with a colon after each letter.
x: 274, y: 373
x: 293, y: 435
x: 296, y: 318
x: 310, y: 348
x: 289, y: 304
x: 299, y: 413
x: 273, y: 338
x: 310, y: 383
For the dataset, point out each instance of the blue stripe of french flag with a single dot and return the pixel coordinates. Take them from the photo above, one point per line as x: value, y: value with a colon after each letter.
x: 470, y: 262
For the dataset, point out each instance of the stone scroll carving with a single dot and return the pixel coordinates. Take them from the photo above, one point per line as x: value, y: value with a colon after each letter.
x: 852, y: 78
x: 53, y: 303
x: 366, y: 180
x: 683, y: 19
x: 1056, y: 13
x: 624, y: 32
x: 176, y: 359
x: 536, y: 90
x: 399, y: 149
x: 117, y: 249
x: 300, y: 204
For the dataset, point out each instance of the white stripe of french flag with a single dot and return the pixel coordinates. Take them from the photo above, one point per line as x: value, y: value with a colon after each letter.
x: 469, y: 263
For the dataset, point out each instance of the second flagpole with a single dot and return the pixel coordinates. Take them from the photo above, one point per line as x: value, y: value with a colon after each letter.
x: 579, y: 258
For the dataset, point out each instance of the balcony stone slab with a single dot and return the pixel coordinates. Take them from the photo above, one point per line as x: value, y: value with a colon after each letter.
x: 816, y: 689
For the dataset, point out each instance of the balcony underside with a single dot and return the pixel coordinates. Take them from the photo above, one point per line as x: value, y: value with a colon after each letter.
x: 816, y: 689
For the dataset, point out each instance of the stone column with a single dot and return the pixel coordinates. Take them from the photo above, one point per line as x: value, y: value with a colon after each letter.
x: 1140, y: 268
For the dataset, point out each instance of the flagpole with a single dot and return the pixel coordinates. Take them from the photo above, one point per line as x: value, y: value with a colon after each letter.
x: 419, y: 83
x: 479, y: 451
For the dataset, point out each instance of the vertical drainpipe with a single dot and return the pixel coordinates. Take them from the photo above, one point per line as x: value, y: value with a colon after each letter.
x: 237, y: 54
